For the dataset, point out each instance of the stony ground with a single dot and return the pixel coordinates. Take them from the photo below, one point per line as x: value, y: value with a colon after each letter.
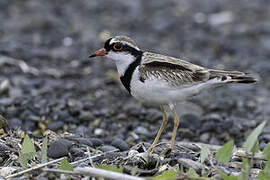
x: 47, y: 81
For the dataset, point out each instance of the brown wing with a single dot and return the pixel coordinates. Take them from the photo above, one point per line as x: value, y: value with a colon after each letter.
x: 175, y: 71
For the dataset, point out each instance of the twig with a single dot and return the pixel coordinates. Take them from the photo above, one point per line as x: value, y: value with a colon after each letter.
x: 89, y: 157
x: 104, y: 173
x: 98, y: 155
x: 34, y: 168
x: 90, y: 160
x: 90, y: 171
x: 59, y: 171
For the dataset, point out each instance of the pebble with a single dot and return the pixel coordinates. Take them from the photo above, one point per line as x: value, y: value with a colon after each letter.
x: 140, y: 130
x: 204, y: 137
x: 153, y: 115
x: 64, y: 116
x: 208, y: 126
x: 120, y: 144
x: 30, y: 125
x: 190, y: 121
x: 56, y: 125
x: 99, y: 132
x: 59, y: 148
x: 77, y: 152
x: 96, y: 142
x: 86, y: 116
x: 15, y: 123
x: 106, y: 148
x: 84, y: 141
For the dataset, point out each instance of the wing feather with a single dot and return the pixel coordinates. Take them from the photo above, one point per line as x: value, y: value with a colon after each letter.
x: 175, y: 71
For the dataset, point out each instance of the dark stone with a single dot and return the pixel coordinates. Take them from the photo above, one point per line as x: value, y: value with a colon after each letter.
x: 120, y: 144
x: 153, y: 115
x: 54, y: 126
x: 113, y: 155
x: 86, y: 116
x: 106, y: 148
x: 96, y: 142
x: 15, y: 123
x: 64, y: 116
x: 59, y: 148
x: 30, y: 125
x: 84, y: 141
x: 190, y: 121
x: 209, y: 126
x: 77, y: 152
x: 108, y: 139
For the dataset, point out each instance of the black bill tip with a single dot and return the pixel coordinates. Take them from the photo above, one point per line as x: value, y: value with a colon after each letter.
x: 91, y: 56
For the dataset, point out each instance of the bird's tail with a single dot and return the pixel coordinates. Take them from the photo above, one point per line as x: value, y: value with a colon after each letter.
x: 232, y: 76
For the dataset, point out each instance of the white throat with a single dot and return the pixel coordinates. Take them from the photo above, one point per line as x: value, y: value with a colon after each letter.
x: 122, y: 61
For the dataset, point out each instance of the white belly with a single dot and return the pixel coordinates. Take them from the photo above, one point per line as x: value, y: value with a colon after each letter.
x: 159, y: 91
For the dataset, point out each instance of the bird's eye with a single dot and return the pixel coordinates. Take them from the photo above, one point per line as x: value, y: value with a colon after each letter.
x: 118, y: 46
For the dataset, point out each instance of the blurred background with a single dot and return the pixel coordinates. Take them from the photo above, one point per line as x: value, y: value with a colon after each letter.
x: 48, y: 82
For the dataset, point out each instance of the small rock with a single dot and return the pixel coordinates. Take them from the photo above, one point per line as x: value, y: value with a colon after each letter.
x: 84, y: 141
x: 54, y: 126
x: 106, y: 148
x: 64, y: 116
x: 142, y: 131
x: 86, y: 116
x: 96, y: 142
x: 99, y: 132
x: 153, y: 115
x: 205, y: 137
x: 265, y: 137
x: 213, y: 117
x: 108, y: 140
x: 59, y: 148
x: 30, y: 125
x: 77, y: 152
x: 133, y: 109
x: 221, y: 18
x: 111, y: 156
x: 209, y: 126
x: 191, y: 121
x: 15, y: 123
x: 120, y: 144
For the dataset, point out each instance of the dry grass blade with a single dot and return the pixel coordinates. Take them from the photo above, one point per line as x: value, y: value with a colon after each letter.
x: 90, y: 171
x: 104, y: 173
x: 34, y: 168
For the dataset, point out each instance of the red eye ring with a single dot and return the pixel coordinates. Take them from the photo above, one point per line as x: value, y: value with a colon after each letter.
x: 118, y: 46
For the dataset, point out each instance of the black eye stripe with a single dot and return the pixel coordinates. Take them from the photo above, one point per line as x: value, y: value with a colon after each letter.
x: 109, y: 47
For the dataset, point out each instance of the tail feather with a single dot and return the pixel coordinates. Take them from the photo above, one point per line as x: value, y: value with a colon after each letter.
x: 232, y: 76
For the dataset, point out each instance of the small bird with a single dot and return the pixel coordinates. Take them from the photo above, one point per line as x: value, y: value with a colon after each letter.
x: 163, y: 80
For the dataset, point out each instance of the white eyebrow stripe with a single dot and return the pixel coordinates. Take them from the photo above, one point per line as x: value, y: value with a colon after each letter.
x: 125, y: 43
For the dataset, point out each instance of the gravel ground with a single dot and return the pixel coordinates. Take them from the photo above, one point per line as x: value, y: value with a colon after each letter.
x: 60, y: 89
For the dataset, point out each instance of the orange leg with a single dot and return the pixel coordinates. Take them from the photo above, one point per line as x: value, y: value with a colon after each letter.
x: 164, y: 122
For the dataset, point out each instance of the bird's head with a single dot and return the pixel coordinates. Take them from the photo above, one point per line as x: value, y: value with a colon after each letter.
x: 119, y: 48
